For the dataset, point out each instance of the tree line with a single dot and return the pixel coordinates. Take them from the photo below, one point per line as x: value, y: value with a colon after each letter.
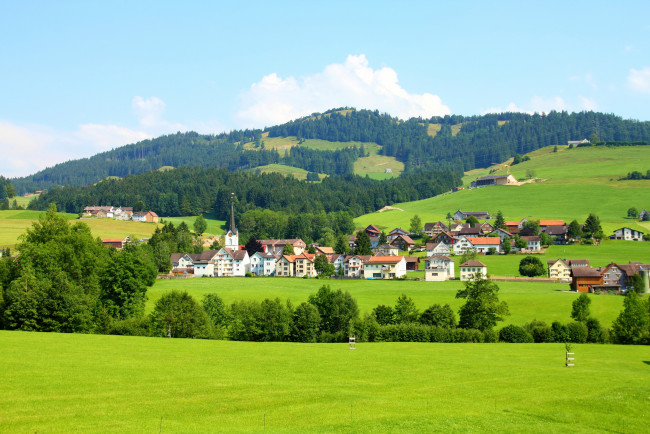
x: 194, y: 190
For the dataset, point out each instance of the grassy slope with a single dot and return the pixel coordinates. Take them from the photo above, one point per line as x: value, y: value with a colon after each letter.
x: 578, y: 182
x: 92, y: 383
x: 215, y: 227
x: 545, y: 301
x: 14, y: 223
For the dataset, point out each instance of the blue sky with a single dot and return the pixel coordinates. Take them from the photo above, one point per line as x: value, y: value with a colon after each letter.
x: 77, y: 78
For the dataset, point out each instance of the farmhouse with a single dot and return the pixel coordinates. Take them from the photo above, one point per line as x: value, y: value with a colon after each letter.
x: 617, y: 276
x: 386, y: 250
x: 182, y: 263
x: 118, y: 243
x: 578, y: 142
x: 628, y: 234
x: 396, y: 233
x: 559, y: 233
x: 584, y: 278
x: 149, y: 217
x: 433, y: 229
x: 502, y: 233
x: 479, y: 244
x: 470, y: 268
x: 438, y: 249
x: 275, y: 247
x: 412, y: 263
x: 485, y: 181
x: 373, y: 231
x: 463, y: 215
x: 384, y: 267
x: 403, y: 242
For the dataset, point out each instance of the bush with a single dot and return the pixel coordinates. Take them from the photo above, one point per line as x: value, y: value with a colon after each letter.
x: 539, y: 331
x: 130, y: 327
x: 515, y: 334
x: 560, y: 332
x: 578, y: 332
x: 594, y: 331
x: 177, y: 312
x: 531, y: 266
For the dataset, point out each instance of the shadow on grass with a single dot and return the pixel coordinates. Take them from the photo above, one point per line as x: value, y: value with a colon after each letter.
x: 647, y: 362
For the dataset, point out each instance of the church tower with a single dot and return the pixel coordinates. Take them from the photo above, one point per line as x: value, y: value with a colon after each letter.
x: 231, y: 239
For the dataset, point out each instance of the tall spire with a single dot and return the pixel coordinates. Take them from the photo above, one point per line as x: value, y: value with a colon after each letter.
x: 233, y: 228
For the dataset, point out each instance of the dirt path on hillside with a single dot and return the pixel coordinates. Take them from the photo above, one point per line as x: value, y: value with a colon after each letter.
x: 388, y: 208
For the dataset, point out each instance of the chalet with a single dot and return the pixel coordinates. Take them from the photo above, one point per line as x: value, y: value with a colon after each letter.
x: 182, y: 263
x: 463, y: 215
x: 275, y: 247
x: 515, y: 227
x: 559, y: 269
x: 338, y: 262
x: 470, y: 231
x: 373, y: 231
x: 502, y: 233
x: 533, y: 244
x: 486, y: 228
x: 439, y: 268
x: 403, y: 242
x: 396, y: 233
x: 628, y: 234
x: 485, y: 181
x: 386, y: 250
x: 433, y: 229
x: 438, y: 249
x: 445, y: 238
x: 263, y: 264
x: 471, y: 268
x: 323, y: 250
x: 617, y: 276
x: 384, y: 267
x: 412, y: 263
x: 479, y: 244
x: 584, y: 278
x: 353, y: 265
x: 543, y: 224
x: 559, y: 233
x: 230, y: 262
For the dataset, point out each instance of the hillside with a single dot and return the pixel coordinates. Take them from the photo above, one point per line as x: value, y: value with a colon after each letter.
x: 338, y: 141
x: 572, y: 184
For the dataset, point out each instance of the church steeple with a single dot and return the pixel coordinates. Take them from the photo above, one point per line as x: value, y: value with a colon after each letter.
x: 231, y: 239
x: 233, y: 228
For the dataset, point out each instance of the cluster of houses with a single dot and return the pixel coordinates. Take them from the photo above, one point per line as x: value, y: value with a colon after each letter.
x: 123, y: 213
x: 584, y: 278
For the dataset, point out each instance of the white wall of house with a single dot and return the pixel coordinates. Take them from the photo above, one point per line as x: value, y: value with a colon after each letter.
x: 467, y: 273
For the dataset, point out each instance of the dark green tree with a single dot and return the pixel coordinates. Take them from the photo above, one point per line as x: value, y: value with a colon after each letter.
x: 416, y: 225
x: 530, y: 228
x: 216, y: 310
x: 383, y: 238
x: 472, y: 221
x: 363, y: 244
x: 631, y: 325
x: 177, y: 315
x: 592, y: 228
x: 287, y: 249
x: 531, y: 266
x: 384, y: 314
x: 482, y: 310
x: 200, y: 225
x: 580, y: 308
x: 342, y: 246
x: 440, y: 316
x: 306, y: 322
x: 500, y: 222
x: 253, y: 246
x: 405, y: 310
x: 323, y: 266
x: 506, y: 245
x: 336, y: 309
x: 633, y: 213
x: 574, y: 231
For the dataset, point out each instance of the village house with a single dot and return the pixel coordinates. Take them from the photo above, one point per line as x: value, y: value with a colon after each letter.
x: 486, y: 228
x: 439, y: 268
x: 515, y: 226
x: 384, y: 267
x: 627, y: 234
x: 471, y: 231
x: 438, y: 249
x: 396, y: 233
x: 412, y: 263
x: 463, y: 215
x: 433, y: 229
x: 263, y: 264
x: 353, y: 266
x: 403, y: 242
x: 470, y: 268
x: 533, y: 244
x: 543, y: 224
x: 585, y: 278
x: 231, y: 263
x: 386, y: 250
x: 149, y: 217
x: 617, y: 276
x: 118, y: 243
x: 445, y: 238
x: 182, y: 263
x: 275, y: 247
x: 373, y: 231
x: 578, y: 142
x: 502, y: 233
x: 324, y: 250
x: 338, y: 262
x: 479, y: 244
x: 643, y: 214
x: 558, y: 233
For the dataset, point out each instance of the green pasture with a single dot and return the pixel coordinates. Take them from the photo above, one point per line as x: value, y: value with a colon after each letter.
x: 23, y: 201
x: 92, y: 383
x: 527, y: 300
x: 13, y: 223
x: 576, y: 182
x: 285, y: 170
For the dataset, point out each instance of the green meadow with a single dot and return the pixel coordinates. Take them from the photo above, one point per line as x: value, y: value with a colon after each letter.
x: 215, y: 227
x: 527, y: 300
x: 572, y: 184
x: 92, y: 383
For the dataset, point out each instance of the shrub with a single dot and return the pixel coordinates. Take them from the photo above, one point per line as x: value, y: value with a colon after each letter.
x: 515, y: 334
x: 130, y: 327
x: 578, y: 332
x: 539, y: 331
x: 594, y: 331
x: 490, y: 336
x: 177, y: 312
x: 560, y: 332
x: 531, y: 266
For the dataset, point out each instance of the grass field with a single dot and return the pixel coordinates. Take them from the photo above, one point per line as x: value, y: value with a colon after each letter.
x: 282, y: 169
x: 577, y: 182
x: 23, y: 201
x: 14, y: 223
x: 527, y: 300
x: 92, y: 383
x: 215, y: 227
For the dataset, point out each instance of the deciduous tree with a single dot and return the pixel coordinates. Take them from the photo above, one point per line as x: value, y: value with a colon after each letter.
x: 482, y: 310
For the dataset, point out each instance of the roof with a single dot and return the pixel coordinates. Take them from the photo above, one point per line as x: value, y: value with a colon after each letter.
x: 373, y: 228
x: 400, y: 230
x: 112, y: 240
x: 551, y: 222
x: 441, y: 257
x: 503, y: 230
x: 578, y: 262
x: 438, y: 224
x: 492, y: 241
x: 474, y: 213
x: 296, y: 242
x: 415, y: 259
x: 385, y: 259
x: 585, y: 272
x: 556, y: 230
x: 406, y: 239
x: 554, y: 261
x: 625, y: 227
x: 486, y: 178
x: 512, y: 223
x: 473, y: 263
x: 633, y: 267
x: 431, y: 246
x: 530, y: 238
x: 469, y: 231
x: 326, y: 250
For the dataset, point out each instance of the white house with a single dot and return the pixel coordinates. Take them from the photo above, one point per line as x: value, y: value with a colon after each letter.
x: 338, y: 261
x: 479, y: 244
x: 384, y: 267
x: 395, y: 233
x: 263, y: 264
x: 353, y: 266
x: 386, y: 250
x: 439, y: 268
x: 438, y: 249
x: 470, y: 268
x: 182, y: 263
x: 533, y: 243
x: 233, y: 263
x: 628, y: 234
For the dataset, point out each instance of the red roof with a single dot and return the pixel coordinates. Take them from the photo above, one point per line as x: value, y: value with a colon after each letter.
x: 551, y: 222
x: 493, y: 241
x: 385, y: 259
x: 473, y: 263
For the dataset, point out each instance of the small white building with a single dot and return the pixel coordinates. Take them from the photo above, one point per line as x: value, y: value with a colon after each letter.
x: 628, y: 234
x: 470, y: 268
x: 438, y: 249
x: 478, y: 244
x: 353, y: 266
x: 384, y: 267
x: 263, y: 264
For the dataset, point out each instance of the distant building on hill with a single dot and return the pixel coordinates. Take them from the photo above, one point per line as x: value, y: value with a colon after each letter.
x: 484, y: 181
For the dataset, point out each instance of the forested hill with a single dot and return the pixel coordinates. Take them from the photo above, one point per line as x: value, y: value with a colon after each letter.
x: 193, y: 190
x: 456, y: 143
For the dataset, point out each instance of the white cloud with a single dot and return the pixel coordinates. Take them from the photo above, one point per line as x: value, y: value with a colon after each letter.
x: 353, y: 83
x: 588, y: 104
x: 510, y: 108
x: 539, y: 104
x: 544, y: 105
x: 639, y: 79
x: 149, y: 111
x: 108, y: 136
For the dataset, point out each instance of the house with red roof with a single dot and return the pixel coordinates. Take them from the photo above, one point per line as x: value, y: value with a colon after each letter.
x: 384, y: 267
